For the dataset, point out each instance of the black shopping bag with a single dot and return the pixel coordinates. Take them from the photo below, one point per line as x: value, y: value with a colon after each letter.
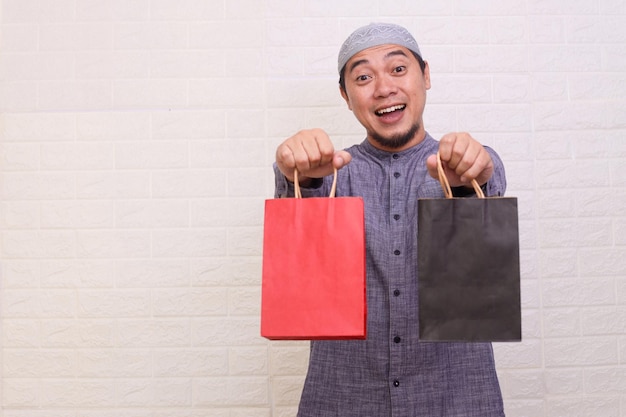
x: 468, y: 265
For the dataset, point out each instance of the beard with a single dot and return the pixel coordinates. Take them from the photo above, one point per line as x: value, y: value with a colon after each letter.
x: 396, y: 141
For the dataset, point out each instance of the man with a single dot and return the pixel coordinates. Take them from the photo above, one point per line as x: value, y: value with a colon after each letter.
x: 384, y: 80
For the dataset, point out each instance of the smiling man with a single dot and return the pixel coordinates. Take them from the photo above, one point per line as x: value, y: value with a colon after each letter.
x: 384, y: 81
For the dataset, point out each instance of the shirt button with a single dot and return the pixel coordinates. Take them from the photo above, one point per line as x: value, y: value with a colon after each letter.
x: 397, y: 339
x: 396, y: 252
x: 395, y: 156
x: 396, y: 217
x: 396, y: 293
x: 396, y: 383
x: 396, y: 174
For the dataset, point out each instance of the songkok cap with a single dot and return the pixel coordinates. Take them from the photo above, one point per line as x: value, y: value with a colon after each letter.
x: 375, y: 34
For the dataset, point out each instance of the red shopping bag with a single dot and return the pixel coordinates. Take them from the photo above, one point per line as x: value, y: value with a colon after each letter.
x: 314, y: 268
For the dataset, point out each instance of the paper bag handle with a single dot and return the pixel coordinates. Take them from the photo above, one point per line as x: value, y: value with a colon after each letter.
x: 296, y: 184
x: 446, y: 185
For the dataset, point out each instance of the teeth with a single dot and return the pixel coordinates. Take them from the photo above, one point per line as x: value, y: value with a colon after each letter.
x: 390, y: 109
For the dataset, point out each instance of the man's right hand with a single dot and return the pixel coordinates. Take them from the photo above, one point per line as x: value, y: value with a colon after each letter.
x: 312, y: 153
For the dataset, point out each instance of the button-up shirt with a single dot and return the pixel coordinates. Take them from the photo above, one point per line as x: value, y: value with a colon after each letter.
x: 391, y: 373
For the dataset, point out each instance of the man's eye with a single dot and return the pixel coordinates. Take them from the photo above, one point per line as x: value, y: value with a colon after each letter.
x: 362, y: 78
x: 401, y: 68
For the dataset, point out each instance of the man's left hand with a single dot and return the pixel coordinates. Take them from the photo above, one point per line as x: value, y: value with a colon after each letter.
x: 463, y: 159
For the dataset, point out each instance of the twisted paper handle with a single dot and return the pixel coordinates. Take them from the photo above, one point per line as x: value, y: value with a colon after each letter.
x: 296, y: 184
x: 446, y: 185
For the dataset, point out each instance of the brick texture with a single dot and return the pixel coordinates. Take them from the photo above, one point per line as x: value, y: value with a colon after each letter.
x: 136, y: 139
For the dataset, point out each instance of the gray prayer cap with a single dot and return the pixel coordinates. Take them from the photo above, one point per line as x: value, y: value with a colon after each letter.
x: 375, y: 34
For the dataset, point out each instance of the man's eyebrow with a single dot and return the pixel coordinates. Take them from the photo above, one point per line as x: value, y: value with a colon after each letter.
x: 357, y: 63
x: 394, y: 53
x: 365, y: 61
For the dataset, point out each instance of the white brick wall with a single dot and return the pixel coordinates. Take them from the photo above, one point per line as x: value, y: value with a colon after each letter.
x: 136, y: 143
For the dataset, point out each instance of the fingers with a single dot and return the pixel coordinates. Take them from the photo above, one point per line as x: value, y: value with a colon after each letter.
x: 464, y: 159
x: 312, y: 153
x: 305, y: 151
x: 341, y: 159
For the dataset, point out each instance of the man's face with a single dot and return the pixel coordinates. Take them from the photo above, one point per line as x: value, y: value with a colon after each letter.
x: 386, y: 91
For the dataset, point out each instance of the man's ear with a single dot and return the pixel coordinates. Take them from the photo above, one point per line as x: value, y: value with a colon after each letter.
x: 345, y: 97
x: 426, y: 75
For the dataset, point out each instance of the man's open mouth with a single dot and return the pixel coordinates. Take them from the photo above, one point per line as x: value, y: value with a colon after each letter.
x: 391, y: 109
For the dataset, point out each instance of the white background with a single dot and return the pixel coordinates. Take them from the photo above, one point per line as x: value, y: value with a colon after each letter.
x: 137, y: 138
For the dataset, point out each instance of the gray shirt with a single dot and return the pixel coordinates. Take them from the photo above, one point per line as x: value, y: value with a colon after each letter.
x: 392, y: 373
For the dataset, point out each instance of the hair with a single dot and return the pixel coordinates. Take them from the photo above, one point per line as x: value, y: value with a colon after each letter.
x: 342, y: 79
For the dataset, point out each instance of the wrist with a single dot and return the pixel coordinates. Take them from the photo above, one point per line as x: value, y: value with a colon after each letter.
x: 307, y: 182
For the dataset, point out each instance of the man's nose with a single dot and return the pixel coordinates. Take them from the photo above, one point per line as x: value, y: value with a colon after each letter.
x: 385, y: 86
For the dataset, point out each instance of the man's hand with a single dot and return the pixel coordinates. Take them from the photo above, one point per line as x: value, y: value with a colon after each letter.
x: 312, y: 153
x: 463, y: 159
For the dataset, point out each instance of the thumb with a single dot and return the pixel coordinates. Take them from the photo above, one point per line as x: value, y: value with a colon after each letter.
x: 431, y: 165
x: 341, y: 159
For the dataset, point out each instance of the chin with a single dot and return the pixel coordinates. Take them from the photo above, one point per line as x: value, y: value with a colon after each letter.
x: 396, y: 140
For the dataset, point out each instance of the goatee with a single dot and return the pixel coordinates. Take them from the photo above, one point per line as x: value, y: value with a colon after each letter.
x: 396, y: 141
